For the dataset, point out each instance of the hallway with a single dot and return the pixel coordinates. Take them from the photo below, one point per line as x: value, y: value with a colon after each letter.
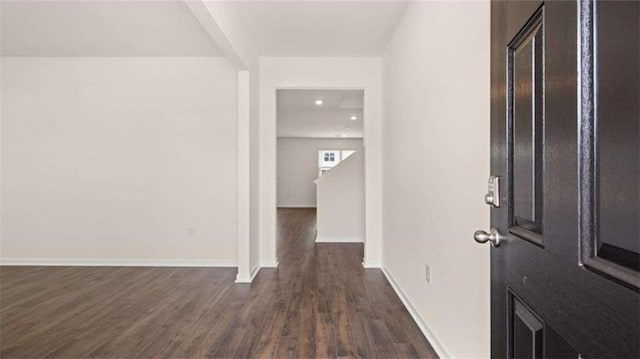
x: 355, y: 310
x: 320, y: 302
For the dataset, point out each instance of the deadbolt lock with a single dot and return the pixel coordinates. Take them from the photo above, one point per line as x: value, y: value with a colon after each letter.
x: 492, y: 197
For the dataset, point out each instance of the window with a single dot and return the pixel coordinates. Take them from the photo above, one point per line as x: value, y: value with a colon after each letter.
x: 330, y: 158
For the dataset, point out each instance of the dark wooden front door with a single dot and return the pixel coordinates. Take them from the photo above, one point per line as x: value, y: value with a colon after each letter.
x: 565, y: 144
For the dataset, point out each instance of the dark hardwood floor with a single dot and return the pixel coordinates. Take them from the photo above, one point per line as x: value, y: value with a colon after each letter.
x: 320, y: 302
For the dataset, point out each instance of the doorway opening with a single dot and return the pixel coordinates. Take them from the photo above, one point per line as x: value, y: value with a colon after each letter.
x: 320, y: 166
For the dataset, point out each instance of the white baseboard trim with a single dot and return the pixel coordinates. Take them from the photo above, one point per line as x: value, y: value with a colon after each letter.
x: 371, y: 264
x: 248, y: 278
x: 297, y: 206
x: 442, y: 353
x: 339, y: 239
x: 270, y: 264
x: 95, y: 262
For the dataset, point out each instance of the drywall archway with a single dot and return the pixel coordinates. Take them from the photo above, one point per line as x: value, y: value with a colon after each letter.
x: 327, y: 73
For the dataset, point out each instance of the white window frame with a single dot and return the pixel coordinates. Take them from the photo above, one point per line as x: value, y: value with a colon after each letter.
x: 326, y: 166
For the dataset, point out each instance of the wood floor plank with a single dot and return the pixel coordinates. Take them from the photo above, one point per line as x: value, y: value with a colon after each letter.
x: 267, y: 342
x: 385, y: 347
x: 320, y: 302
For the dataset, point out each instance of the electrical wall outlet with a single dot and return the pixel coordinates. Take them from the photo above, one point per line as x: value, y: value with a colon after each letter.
x: 427, y: 273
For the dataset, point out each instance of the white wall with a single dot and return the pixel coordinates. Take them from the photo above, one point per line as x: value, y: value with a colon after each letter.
x: 123, y: 159
x: 436, y: 163
x: 320, y: 73
x: 222, y: 22
x: 298, y: 167
x: 254, y: 166
x: 341, y: 202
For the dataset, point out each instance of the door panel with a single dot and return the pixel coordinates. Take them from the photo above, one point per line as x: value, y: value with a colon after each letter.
x: 617, y: 131
x: 566, y: 145
x: 609, y: 139
x: 527, y: 331
x: 530, y: 337
x: 525, y: 59
x: 518, y: 14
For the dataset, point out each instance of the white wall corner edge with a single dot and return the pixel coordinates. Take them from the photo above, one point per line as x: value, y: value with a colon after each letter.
x: 248, y: 278
x: 437, y: 346
x: 102, y: 262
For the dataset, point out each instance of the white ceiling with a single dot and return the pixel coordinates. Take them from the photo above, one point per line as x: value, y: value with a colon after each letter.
x: 168, y: 28
x: 102, y: 28
x: 299, y: 116
x: 316, y: 28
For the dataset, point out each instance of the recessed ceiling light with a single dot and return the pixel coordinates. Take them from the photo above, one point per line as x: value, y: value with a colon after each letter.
x: 319, y: 102
x: 353, y: 118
